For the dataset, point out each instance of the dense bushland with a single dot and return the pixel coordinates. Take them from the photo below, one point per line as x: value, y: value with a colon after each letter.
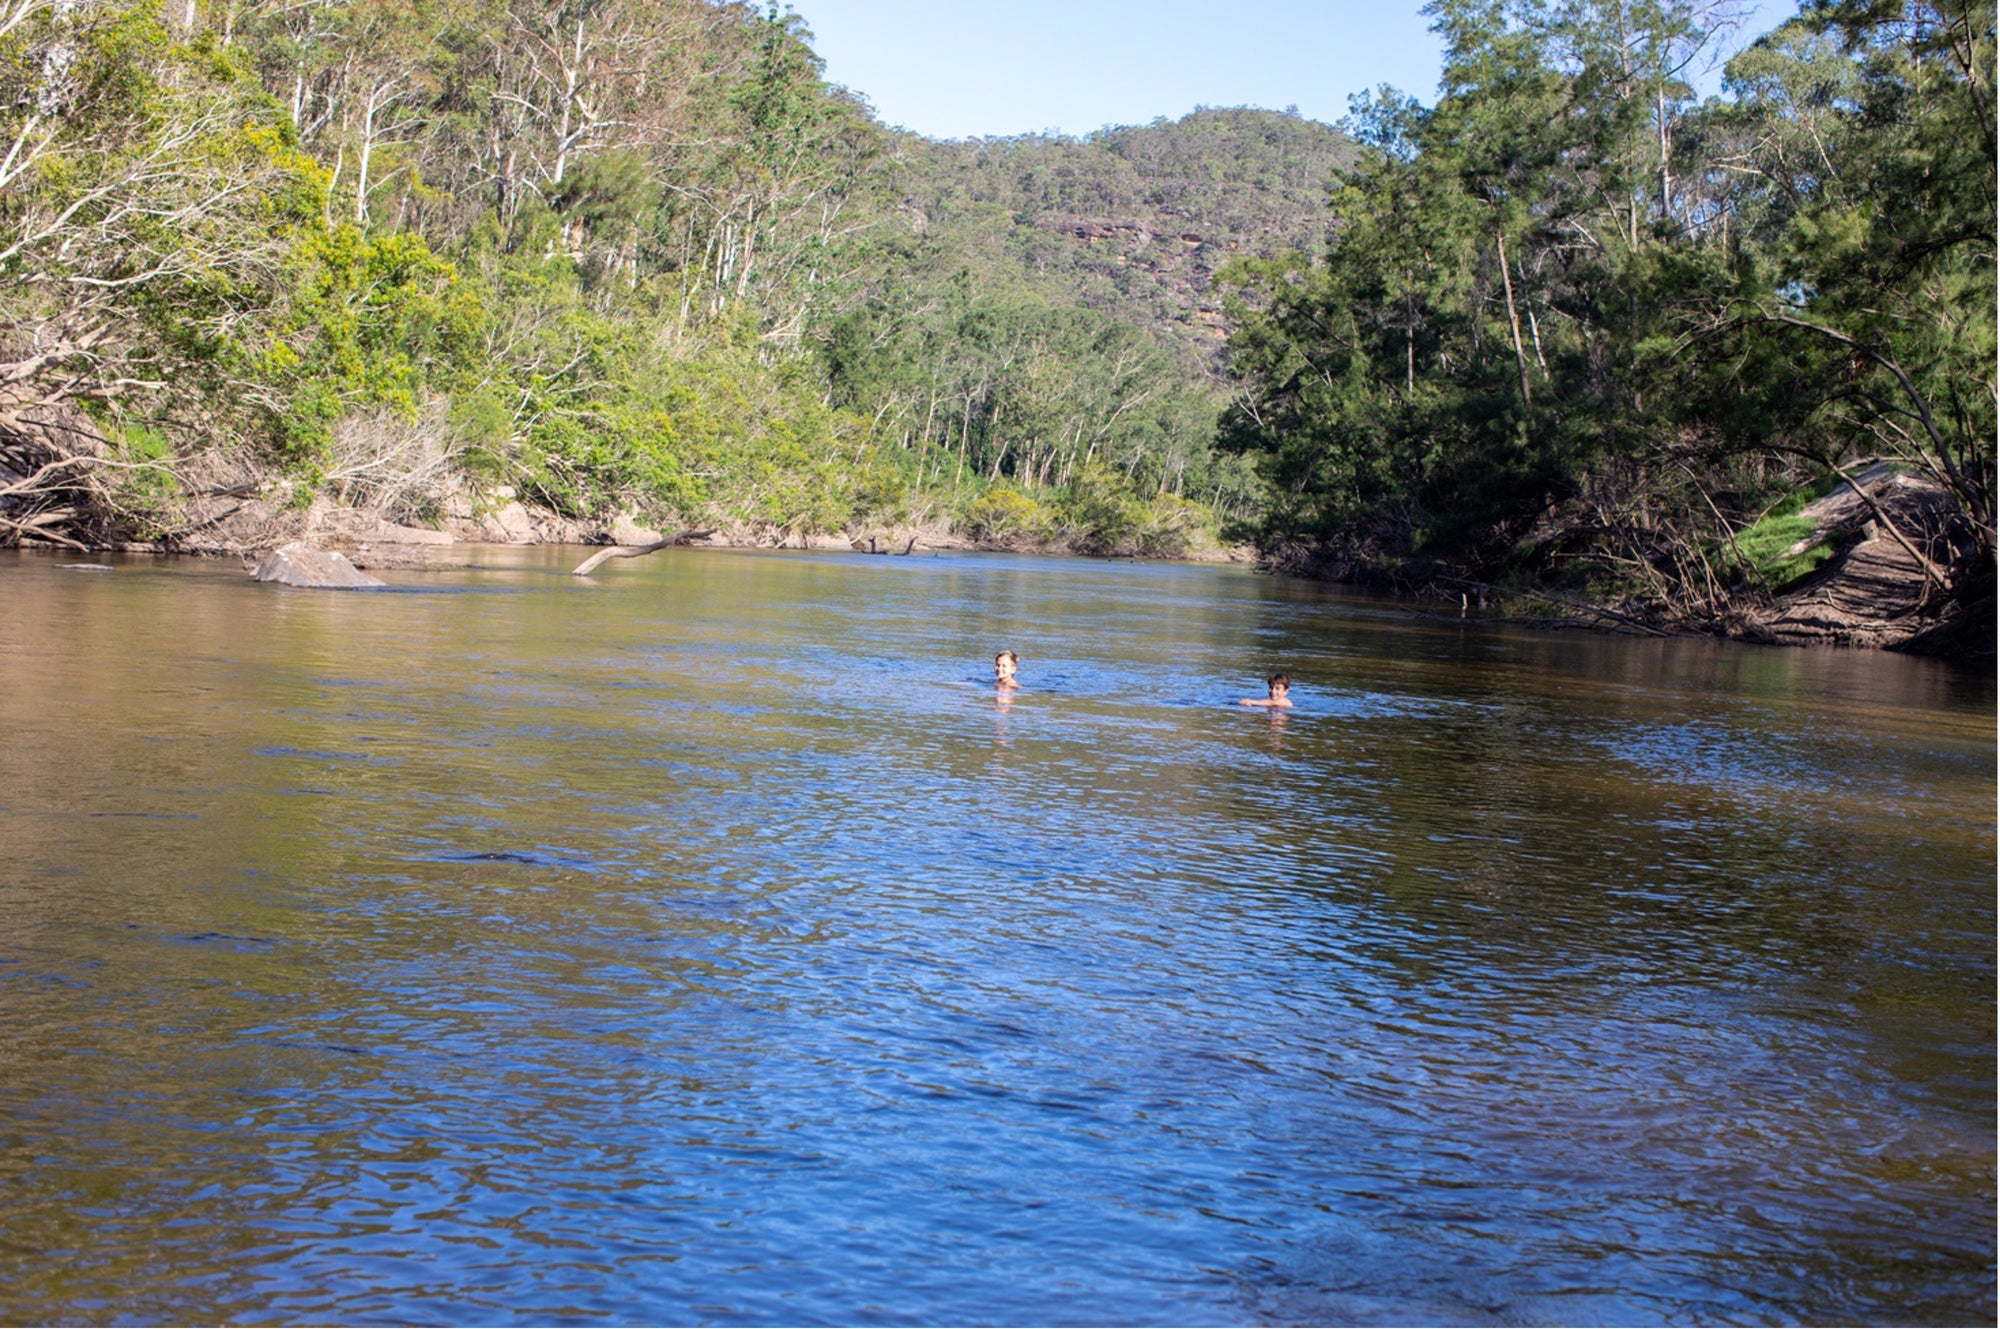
x: 614, y: 254
x: 1578, y: 325
x: 1571, y: 324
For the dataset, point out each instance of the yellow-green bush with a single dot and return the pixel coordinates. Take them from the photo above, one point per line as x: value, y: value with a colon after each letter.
x: 1005, y: 513
x: 1170, y: 527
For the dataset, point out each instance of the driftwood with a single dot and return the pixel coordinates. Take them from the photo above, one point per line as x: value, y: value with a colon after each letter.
x: 1932, y: 572
x: 589, y: 565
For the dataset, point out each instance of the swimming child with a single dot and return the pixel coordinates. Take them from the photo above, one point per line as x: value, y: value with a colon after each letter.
x: 1004, y: 665
x: 1280, y: 693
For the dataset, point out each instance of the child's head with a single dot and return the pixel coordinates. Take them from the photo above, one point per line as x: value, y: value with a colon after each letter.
x: 1279, y: 685
x: 1005, y: 663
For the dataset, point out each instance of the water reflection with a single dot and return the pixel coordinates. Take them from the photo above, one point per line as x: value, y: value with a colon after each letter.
x: 1274, y: 722
x: 696, y: 945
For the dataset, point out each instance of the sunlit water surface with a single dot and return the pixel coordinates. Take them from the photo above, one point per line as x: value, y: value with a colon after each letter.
x: 704, y: 942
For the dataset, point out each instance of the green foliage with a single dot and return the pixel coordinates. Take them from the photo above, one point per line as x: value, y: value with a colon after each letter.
x: 372, y: 321
x: 635, y: 253
x: 1781, y: 549
x: 1004, y: 514
x: 145, y: 480
x: 1128, y: 220
x: 149, y: 194
x: 1571, y: 316
x: 1879, y: 295
x: 1099, y: 514
x: 1103, y: 514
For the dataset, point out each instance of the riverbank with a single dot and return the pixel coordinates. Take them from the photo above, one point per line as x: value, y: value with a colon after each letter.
x: 1876, y: 551
x: 1878, y: 562
x: 229, y: 522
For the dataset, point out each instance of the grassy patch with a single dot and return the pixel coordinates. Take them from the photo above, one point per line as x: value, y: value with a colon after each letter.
x: 1773, y: 546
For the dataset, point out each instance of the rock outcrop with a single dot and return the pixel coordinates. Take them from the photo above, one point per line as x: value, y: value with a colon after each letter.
x: 329, y: 524
x: 303, y: 565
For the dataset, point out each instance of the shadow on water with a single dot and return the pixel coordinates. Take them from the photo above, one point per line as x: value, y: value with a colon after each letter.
x: 708, y: 941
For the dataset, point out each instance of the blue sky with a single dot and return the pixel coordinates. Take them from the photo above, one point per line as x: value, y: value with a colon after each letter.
x: 967, y: 68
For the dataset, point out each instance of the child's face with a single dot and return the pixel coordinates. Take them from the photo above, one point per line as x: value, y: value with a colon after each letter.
x: 1003, y: 668
x: 1280, y: 689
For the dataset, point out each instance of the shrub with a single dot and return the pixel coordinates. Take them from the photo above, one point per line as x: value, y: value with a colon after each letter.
x: 1005, y: 513
x: 1100, y: 514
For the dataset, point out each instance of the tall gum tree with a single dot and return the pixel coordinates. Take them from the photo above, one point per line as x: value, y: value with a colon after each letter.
x: 1575, y: 322
x: 1871, y: 167
x: 149, y: 192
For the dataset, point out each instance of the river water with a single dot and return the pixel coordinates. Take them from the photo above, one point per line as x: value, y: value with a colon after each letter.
x: 705, y: 942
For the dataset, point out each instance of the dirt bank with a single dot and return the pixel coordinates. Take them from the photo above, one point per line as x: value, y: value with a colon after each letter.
x: 1900, y: 574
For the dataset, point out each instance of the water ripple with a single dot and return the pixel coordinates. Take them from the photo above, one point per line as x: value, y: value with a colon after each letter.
x: 711, y: 944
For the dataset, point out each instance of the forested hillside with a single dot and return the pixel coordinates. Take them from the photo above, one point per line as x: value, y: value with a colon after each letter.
x: 622, y: 256
x: 1042, y: 309
x: 1135, y: 221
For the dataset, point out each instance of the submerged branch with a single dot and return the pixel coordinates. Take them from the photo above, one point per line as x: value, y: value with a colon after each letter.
x: 1563, y: 601
x: 589, y: 565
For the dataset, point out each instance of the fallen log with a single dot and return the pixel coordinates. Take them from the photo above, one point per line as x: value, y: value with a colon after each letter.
x: 589, y: 565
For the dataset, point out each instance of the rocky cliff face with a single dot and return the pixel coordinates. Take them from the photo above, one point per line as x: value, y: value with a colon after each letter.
x: 1139, y: 218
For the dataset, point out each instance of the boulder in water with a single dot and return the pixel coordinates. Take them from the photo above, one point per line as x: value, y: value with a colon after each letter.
x: 303, y: 565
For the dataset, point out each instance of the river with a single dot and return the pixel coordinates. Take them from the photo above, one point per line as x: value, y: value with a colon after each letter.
x: 705, y: 942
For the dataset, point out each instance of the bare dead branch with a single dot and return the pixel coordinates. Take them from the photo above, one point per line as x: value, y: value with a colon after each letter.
x: 589, y: 565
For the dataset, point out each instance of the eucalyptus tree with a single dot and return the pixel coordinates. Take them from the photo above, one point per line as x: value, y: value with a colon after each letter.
x: 1574, y: 318
x: 149, y: 197
x: 1868, y: 161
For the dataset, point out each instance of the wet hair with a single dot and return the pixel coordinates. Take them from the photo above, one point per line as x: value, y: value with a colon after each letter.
x: 1010, y: 657
x: 1276, y: 679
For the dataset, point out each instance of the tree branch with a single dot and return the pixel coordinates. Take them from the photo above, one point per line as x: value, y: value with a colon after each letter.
x: 589, y: 565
